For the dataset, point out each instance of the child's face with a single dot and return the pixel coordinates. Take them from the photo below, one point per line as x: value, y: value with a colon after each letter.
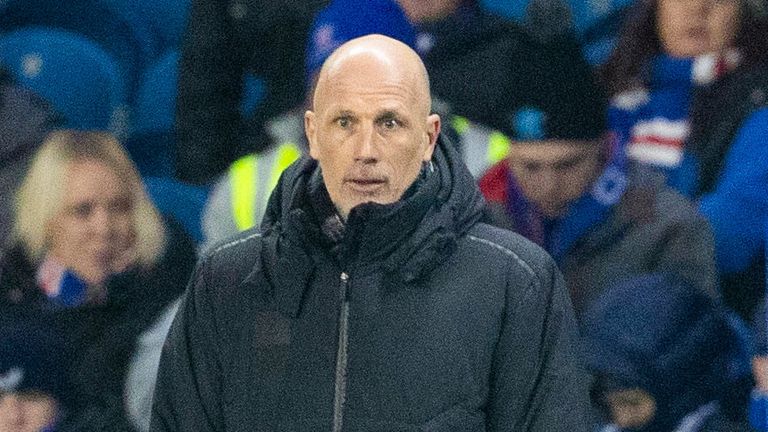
x: 631, y: 408
x: 26, y: 412
x: 760, y: 370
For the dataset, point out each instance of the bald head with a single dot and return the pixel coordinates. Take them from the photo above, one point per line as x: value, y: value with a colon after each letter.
x: 373, y: 57
x: 370, y: 127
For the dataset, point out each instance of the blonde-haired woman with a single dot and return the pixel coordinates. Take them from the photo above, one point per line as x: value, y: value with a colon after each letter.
x: 91, y: 255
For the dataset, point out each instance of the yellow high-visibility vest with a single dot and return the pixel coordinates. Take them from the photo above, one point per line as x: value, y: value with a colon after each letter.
x: 243, y: 177
x: 498, y: 143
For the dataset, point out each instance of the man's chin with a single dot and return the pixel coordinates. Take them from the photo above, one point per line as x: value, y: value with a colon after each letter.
x: 553, y: 212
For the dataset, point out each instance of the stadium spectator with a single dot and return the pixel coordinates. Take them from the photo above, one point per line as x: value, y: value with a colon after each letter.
x: 32, y: 378
x: 666, y: 358
x: 565, y: 186
x: 92, y: 257
x: 483, y: 67
x: 689, y: 81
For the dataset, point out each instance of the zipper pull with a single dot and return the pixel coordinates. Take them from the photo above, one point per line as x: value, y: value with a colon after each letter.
x: 344, y: 295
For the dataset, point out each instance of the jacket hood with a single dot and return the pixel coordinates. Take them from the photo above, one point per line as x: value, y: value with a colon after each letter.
x: 407, y: 239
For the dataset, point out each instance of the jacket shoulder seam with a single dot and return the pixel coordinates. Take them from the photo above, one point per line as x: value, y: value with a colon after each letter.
x: 234, y: 243
x: 505, y: 251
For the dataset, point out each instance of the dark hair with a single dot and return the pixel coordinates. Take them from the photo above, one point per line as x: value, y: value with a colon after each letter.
x: 639, y: 42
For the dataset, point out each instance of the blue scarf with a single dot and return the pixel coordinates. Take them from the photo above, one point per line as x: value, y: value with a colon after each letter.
x: 653, y: 122
x: 558, y: 236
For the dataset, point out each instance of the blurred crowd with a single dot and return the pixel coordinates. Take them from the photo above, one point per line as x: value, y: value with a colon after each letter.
x: 627, y: 138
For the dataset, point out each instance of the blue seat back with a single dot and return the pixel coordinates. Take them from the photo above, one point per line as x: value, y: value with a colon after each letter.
x: 167, y: 18
x: 121, y: 31
x: 74, y: 74
x: 152, y: 139
x: 155, y: 106
x: 182, y: 201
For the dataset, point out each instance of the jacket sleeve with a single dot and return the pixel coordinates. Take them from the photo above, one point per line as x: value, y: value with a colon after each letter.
x: 738, y: 205
x: 538, y: 383
x: 211, y: 71
x: 188, y: 390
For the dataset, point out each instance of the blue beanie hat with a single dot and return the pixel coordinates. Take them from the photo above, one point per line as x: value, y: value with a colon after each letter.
x: 32, y: 358
x: 344, y: 20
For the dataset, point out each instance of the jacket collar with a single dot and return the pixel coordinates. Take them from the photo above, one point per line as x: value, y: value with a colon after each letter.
x: 406, y: 239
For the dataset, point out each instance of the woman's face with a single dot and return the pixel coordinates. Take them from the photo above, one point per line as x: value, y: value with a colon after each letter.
x: 93, y: 233
x: 688, y: 28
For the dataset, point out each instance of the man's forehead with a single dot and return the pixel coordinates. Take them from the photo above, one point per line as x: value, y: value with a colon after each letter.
x: 366, y: 96
x: 552, y: 151
x: 367, y: 68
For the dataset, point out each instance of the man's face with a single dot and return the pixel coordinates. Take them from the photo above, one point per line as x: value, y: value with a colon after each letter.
x: 553, y: 174
x: 370, y: 132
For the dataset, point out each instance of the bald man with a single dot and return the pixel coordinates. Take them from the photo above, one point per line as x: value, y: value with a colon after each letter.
x: 371, y: 298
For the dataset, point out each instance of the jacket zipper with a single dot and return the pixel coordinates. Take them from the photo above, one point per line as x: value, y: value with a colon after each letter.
x: 340, y: 394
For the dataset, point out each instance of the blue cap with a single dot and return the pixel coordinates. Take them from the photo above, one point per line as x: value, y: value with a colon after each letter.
x: 344, y: 20
x: 32, y: 357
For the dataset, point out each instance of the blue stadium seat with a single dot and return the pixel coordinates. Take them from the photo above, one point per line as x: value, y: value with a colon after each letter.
x: 168, y: 19
x: 600, y: 34
x: 179, y: 200
x: 155, y: 104
x: 74, y: 74
x: 152, y: 139
x: 121, y: 31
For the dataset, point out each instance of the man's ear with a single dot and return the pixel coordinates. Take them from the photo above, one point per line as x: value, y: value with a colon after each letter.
x: 433, y: 131
x: 310, y: 129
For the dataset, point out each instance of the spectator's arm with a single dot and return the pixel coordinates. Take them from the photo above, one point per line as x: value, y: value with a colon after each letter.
x: 537, y: 382
x: 738, y: 205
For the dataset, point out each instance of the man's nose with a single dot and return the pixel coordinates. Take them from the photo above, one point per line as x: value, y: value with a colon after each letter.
x: 366, y: 146
x: 547, y: 182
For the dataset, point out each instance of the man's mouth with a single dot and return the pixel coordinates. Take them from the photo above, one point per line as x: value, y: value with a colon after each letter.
x: 365, y: 185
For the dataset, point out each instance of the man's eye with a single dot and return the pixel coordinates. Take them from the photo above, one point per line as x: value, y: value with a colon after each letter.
x: 391, y: 123
x: 343, y: 122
